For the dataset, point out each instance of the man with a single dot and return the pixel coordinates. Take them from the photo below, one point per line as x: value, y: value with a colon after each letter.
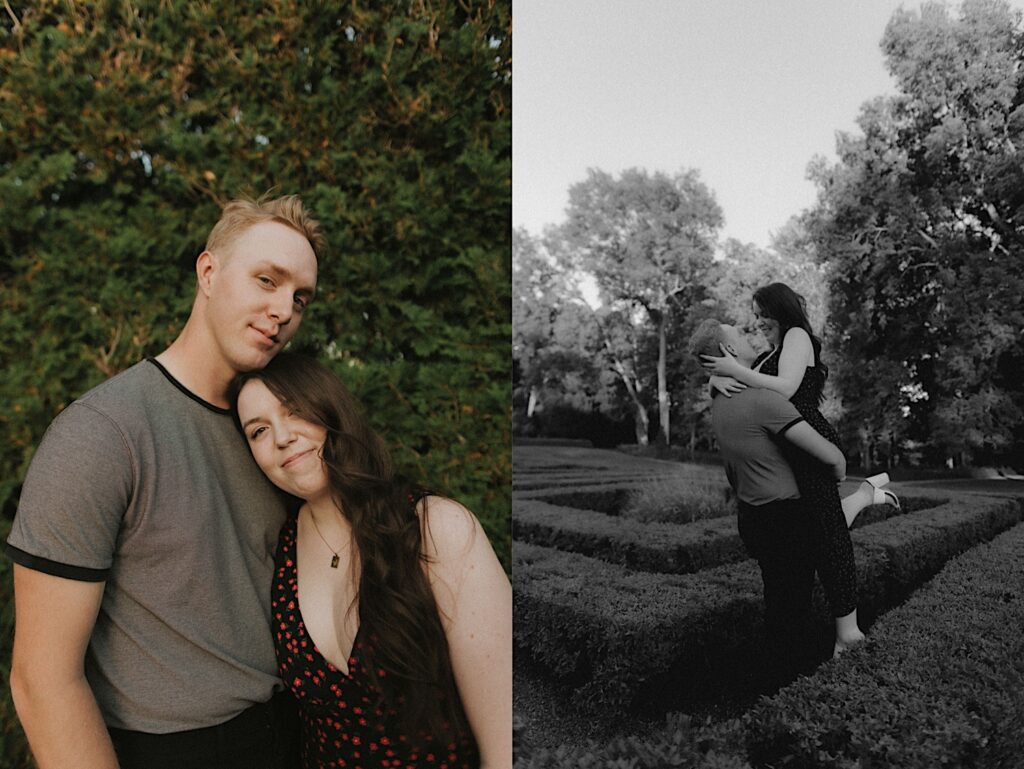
x: 775, y: 526
x: 143, y: 541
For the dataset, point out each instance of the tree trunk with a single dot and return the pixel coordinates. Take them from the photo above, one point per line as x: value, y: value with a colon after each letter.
x: 642, y: 423
x: 531, y: 404
x: 663, y: 413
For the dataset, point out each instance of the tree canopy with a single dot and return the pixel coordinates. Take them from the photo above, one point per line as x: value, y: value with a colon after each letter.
x: 648, y: 240
x: 922, y: 220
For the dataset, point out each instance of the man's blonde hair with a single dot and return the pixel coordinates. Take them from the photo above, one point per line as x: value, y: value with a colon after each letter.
x: 241, y: 214
x: 706, y: 338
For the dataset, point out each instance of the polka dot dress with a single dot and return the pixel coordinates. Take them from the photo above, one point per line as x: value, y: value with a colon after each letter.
x: 342, y: 723
x: 834, y: 561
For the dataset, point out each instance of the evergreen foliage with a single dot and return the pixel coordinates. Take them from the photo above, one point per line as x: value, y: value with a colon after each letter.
x: 125, y: 126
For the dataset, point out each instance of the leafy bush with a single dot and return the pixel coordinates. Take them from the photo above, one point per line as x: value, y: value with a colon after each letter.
x: 669, y: 548
x: 679, y: 500
x: 939, y: 682
x: 563, y: 421
x: 599, y: 498
x: 683, y: 743
x: 589, y: 621
x: 656, y: 547
x: 133, y: 123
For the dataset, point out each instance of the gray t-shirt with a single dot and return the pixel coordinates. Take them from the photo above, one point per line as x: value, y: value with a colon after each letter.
x: 144, y: 485
x: 746, y: 425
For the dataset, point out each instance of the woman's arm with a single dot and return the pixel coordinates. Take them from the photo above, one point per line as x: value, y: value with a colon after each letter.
x: 475, y: 600
x: 796, y: 351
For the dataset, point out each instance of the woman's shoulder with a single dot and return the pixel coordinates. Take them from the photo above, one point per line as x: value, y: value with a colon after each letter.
x: 797, y: 335
x: 449, y: 528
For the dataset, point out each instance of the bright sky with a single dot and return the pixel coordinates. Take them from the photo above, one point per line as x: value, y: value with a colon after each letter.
x: 745, y: 91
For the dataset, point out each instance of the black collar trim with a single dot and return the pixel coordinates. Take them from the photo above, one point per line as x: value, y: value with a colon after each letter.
x: 189, y: 393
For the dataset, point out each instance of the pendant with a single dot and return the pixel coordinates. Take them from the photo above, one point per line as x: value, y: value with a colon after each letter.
x: 334, y: 561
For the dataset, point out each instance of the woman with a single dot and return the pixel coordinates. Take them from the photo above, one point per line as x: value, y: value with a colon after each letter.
x: 793, y: 368
x: 400, y: 653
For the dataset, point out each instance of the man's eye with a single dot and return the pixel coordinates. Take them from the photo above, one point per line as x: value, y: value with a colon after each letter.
x: 265, y: 280
x: 300, y: 302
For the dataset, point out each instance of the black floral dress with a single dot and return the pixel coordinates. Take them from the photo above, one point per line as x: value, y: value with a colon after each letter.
x: 343, y: 722
x: 834, y: 556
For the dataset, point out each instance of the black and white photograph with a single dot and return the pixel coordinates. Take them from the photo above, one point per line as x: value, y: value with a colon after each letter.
x: 768, y: 384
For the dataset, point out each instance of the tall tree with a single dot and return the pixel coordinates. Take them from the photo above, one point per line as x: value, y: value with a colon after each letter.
x: 923, y: 222
x: 646, y: 239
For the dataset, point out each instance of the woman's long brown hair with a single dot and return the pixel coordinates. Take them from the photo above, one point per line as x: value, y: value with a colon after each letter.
x: 397, y: 610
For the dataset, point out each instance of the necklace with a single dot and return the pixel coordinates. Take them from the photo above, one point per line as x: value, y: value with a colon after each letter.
x: 334, y: 558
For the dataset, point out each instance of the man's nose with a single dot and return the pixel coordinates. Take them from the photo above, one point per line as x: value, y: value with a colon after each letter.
x: 281, y: 307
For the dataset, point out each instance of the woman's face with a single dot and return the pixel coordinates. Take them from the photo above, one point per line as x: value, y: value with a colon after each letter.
x: 288, y: 449
x: 769, y: 328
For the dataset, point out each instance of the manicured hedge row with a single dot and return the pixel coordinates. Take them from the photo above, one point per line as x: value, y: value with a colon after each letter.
x: 658, y: 547
x: 684, y: 743
x: 607, y: 498
x: 548, y: 482
x: 939, y: 683
x: 624, y: 637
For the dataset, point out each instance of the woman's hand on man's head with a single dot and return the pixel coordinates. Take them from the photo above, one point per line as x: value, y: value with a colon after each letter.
x: 726, y: 366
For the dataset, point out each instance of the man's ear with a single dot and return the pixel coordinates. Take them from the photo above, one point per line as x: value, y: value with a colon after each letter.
x: 206, y: 266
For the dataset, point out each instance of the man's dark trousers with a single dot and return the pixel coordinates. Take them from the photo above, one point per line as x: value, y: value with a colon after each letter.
x: 780, y: 536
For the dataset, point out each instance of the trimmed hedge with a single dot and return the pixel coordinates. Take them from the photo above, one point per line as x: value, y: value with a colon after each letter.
x: 659, y: 547
x: 608, y: 499
x: 939, y: 683
x: 683, y: 743
x: 592, y: 623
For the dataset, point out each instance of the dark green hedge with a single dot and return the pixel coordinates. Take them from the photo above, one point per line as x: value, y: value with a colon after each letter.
x: 126, y: 126
x: 939, y: 683
x: 658, y: 547
x: 624, y: 637
x: 668, y: 548
x: 606, y: 498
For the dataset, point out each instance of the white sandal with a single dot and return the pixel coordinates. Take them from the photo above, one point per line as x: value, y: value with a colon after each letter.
x: 879, y: 495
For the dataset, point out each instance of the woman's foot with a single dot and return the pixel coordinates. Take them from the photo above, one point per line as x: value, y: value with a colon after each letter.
x: 878, y: 495
x: 869, y: 493
x: 848, y: 633
x: 843, y: 645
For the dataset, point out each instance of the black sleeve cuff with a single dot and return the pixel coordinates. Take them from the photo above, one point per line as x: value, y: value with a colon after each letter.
x: 57, y: 569
x: 796, y: 421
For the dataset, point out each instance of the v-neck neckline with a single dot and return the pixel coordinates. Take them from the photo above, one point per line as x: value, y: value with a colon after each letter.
x: 305, y: 627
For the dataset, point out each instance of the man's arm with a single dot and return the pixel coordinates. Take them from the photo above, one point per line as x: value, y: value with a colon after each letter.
x: 54, y: 618
x: 805, y: 437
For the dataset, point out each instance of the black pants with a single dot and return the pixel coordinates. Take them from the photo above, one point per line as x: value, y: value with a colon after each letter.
x: 780, y: 535
x: 265, y: 736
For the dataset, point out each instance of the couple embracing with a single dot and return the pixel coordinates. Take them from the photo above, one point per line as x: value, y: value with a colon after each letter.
x: 173, y: 517
x: 783, y: 461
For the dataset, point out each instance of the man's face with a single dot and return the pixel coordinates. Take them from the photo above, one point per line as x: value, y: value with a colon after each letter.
x: 738, y: 345
x: 257, y: 291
